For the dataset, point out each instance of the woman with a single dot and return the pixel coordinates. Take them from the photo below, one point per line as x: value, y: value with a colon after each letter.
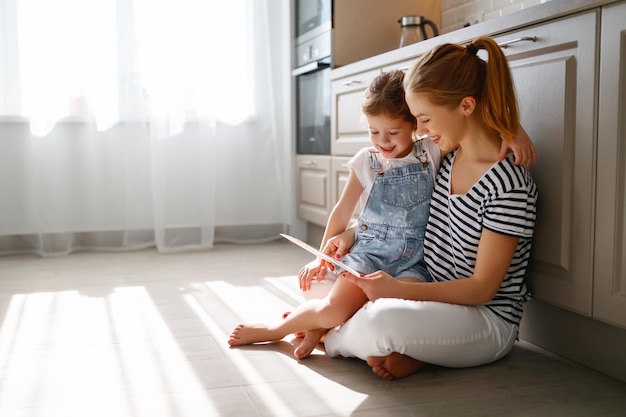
x: 479, y: 231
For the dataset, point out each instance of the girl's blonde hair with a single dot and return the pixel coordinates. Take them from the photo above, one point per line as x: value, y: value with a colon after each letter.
x: 450, y: 72
x: 385, y: 95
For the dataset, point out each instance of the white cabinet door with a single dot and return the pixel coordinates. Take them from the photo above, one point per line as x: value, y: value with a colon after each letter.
x: 554, y: 78
x: 609, y: 301
x: 402, y: 65
x: 347, y: 124
x: 313, y: 176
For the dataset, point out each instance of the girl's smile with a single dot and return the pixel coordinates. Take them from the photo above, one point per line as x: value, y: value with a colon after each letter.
x: 391, y: 136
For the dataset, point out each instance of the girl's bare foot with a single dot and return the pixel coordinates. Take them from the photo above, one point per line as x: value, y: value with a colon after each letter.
x: 246, y: 334
x: 297, y: 334
x: 394, y: 366
x: 310, y: 341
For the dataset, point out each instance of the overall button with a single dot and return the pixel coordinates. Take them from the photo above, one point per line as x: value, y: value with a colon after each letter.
x: 363, y: 227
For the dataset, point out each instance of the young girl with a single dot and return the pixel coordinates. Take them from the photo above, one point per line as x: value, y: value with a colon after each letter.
x: 393, y: 180
x: 478, y: 236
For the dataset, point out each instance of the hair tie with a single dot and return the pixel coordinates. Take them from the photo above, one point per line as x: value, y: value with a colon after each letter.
x: 471, y: 49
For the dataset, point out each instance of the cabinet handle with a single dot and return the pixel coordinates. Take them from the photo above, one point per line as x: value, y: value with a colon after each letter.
x: 506, y: 44
x: 352, y: 82
x: 309, y: 163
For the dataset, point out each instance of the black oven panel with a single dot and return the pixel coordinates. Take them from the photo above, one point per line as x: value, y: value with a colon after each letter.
x: 313, y: 114
x: 312, y: 70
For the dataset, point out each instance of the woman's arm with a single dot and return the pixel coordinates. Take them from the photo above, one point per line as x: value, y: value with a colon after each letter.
x: 495, y: 253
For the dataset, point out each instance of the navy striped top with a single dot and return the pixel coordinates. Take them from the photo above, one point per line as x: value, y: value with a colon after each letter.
x: 504, y: 201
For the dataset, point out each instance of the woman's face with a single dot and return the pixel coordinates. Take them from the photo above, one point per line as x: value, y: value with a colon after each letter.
x: 445, y: 126
x: 390, y: 136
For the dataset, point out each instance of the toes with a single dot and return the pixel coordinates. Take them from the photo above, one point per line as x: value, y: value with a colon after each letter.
x: 375, y: 361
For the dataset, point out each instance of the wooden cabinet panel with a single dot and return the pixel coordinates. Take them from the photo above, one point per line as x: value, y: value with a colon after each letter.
x: 313, y: 176
x: 609, y: 301
x: 554, y: 80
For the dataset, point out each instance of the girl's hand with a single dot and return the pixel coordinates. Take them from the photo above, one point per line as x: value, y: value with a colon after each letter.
x: 522, y: 147
x: 377, y: 285
x: 313, y: 270
x: 338, y: 246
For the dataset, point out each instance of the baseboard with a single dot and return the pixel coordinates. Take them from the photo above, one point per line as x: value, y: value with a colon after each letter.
x: 589, y: 342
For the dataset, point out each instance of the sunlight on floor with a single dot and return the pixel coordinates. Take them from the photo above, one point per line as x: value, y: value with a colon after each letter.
x: 55, y: 347
x: 277, y: 294
x: 117, y: 348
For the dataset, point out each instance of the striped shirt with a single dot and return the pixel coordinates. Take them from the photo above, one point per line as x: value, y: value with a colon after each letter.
x: 504, y: 201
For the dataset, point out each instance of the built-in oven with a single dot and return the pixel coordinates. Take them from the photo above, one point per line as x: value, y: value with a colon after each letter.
x: 312, y: 68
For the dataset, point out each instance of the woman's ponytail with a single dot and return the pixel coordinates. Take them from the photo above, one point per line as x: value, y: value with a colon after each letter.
x: 499, y: 103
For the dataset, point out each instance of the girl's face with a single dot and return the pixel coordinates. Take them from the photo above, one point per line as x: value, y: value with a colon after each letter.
x: 391, y: 137
x: 445, y: 126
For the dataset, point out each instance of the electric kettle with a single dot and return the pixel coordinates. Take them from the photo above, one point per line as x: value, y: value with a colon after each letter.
x: 413, y: 29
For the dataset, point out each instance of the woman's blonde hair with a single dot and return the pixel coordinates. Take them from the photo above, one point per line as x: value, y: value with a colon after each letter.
x: 450, y: 72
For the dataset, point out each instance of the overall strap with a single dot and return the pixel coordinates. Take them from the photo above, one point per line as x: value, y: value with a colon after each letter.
x: 374, y: 161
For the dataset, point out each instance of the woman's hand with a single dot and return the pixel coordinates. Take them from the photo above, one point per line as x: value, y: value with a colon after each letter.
x: 522, y: 147
x: 377, y: 285
x: 313, y: 270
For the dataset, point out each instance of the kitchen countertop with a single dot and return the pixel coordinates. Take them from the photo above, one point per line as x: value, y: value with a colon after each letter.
x: 536, y: 14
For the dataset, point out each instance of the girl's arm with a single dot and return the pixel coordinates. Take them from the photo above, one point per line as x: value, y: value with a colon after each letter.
x: 340, y: 244
x: 495, y: 254
x: 522, y: 147
x: 343, y: 211
x: 337, y: 223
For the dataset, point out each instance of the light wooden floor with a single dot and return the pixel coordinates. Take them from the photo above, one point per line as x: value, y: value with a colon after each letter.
x: 142, y: 334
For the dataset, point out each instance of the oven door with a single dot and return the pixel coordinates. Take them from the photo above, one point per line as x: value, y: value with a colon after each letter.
x: 313, y: 109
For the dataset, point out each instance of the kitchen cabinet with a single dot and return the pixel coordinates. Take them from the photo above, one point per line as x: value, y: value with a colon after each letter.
x: 402, y: 66
x: 554, y: 66
x: 348, y: 130
x: 609, y: 290
x: 313, y: 184
x: 321, y: 180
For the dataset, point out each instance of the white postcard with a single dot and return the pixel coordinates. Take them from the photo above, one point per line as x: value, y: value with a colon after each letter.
x: 319, y: 254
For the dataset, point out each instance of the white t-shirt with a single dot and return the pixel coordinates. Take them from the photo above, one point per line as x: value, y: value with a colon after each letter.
x: 360, y: 164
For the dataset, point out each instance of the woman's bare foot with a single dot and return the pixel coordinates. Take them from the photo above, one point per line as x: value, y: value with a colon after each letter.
x: 394, y: 366
x: 246, y: 334
x: 310, y: 341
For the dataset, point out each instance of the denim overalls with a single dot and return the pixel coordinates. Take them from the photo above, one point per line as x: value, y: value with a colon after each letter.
x: 391, y: 227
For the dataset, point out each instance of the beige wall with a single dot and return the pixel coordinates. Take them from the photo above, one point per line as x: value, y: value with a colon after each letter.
x: 364, y: 28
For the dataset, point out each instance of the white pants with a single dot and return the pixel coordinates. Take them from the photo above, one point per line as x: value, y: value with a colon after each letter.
x: 437, y: 333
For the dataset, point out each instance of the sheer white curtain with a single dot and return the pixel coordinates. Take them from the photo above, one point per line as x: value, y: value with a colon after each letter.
x: 131, y: 123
